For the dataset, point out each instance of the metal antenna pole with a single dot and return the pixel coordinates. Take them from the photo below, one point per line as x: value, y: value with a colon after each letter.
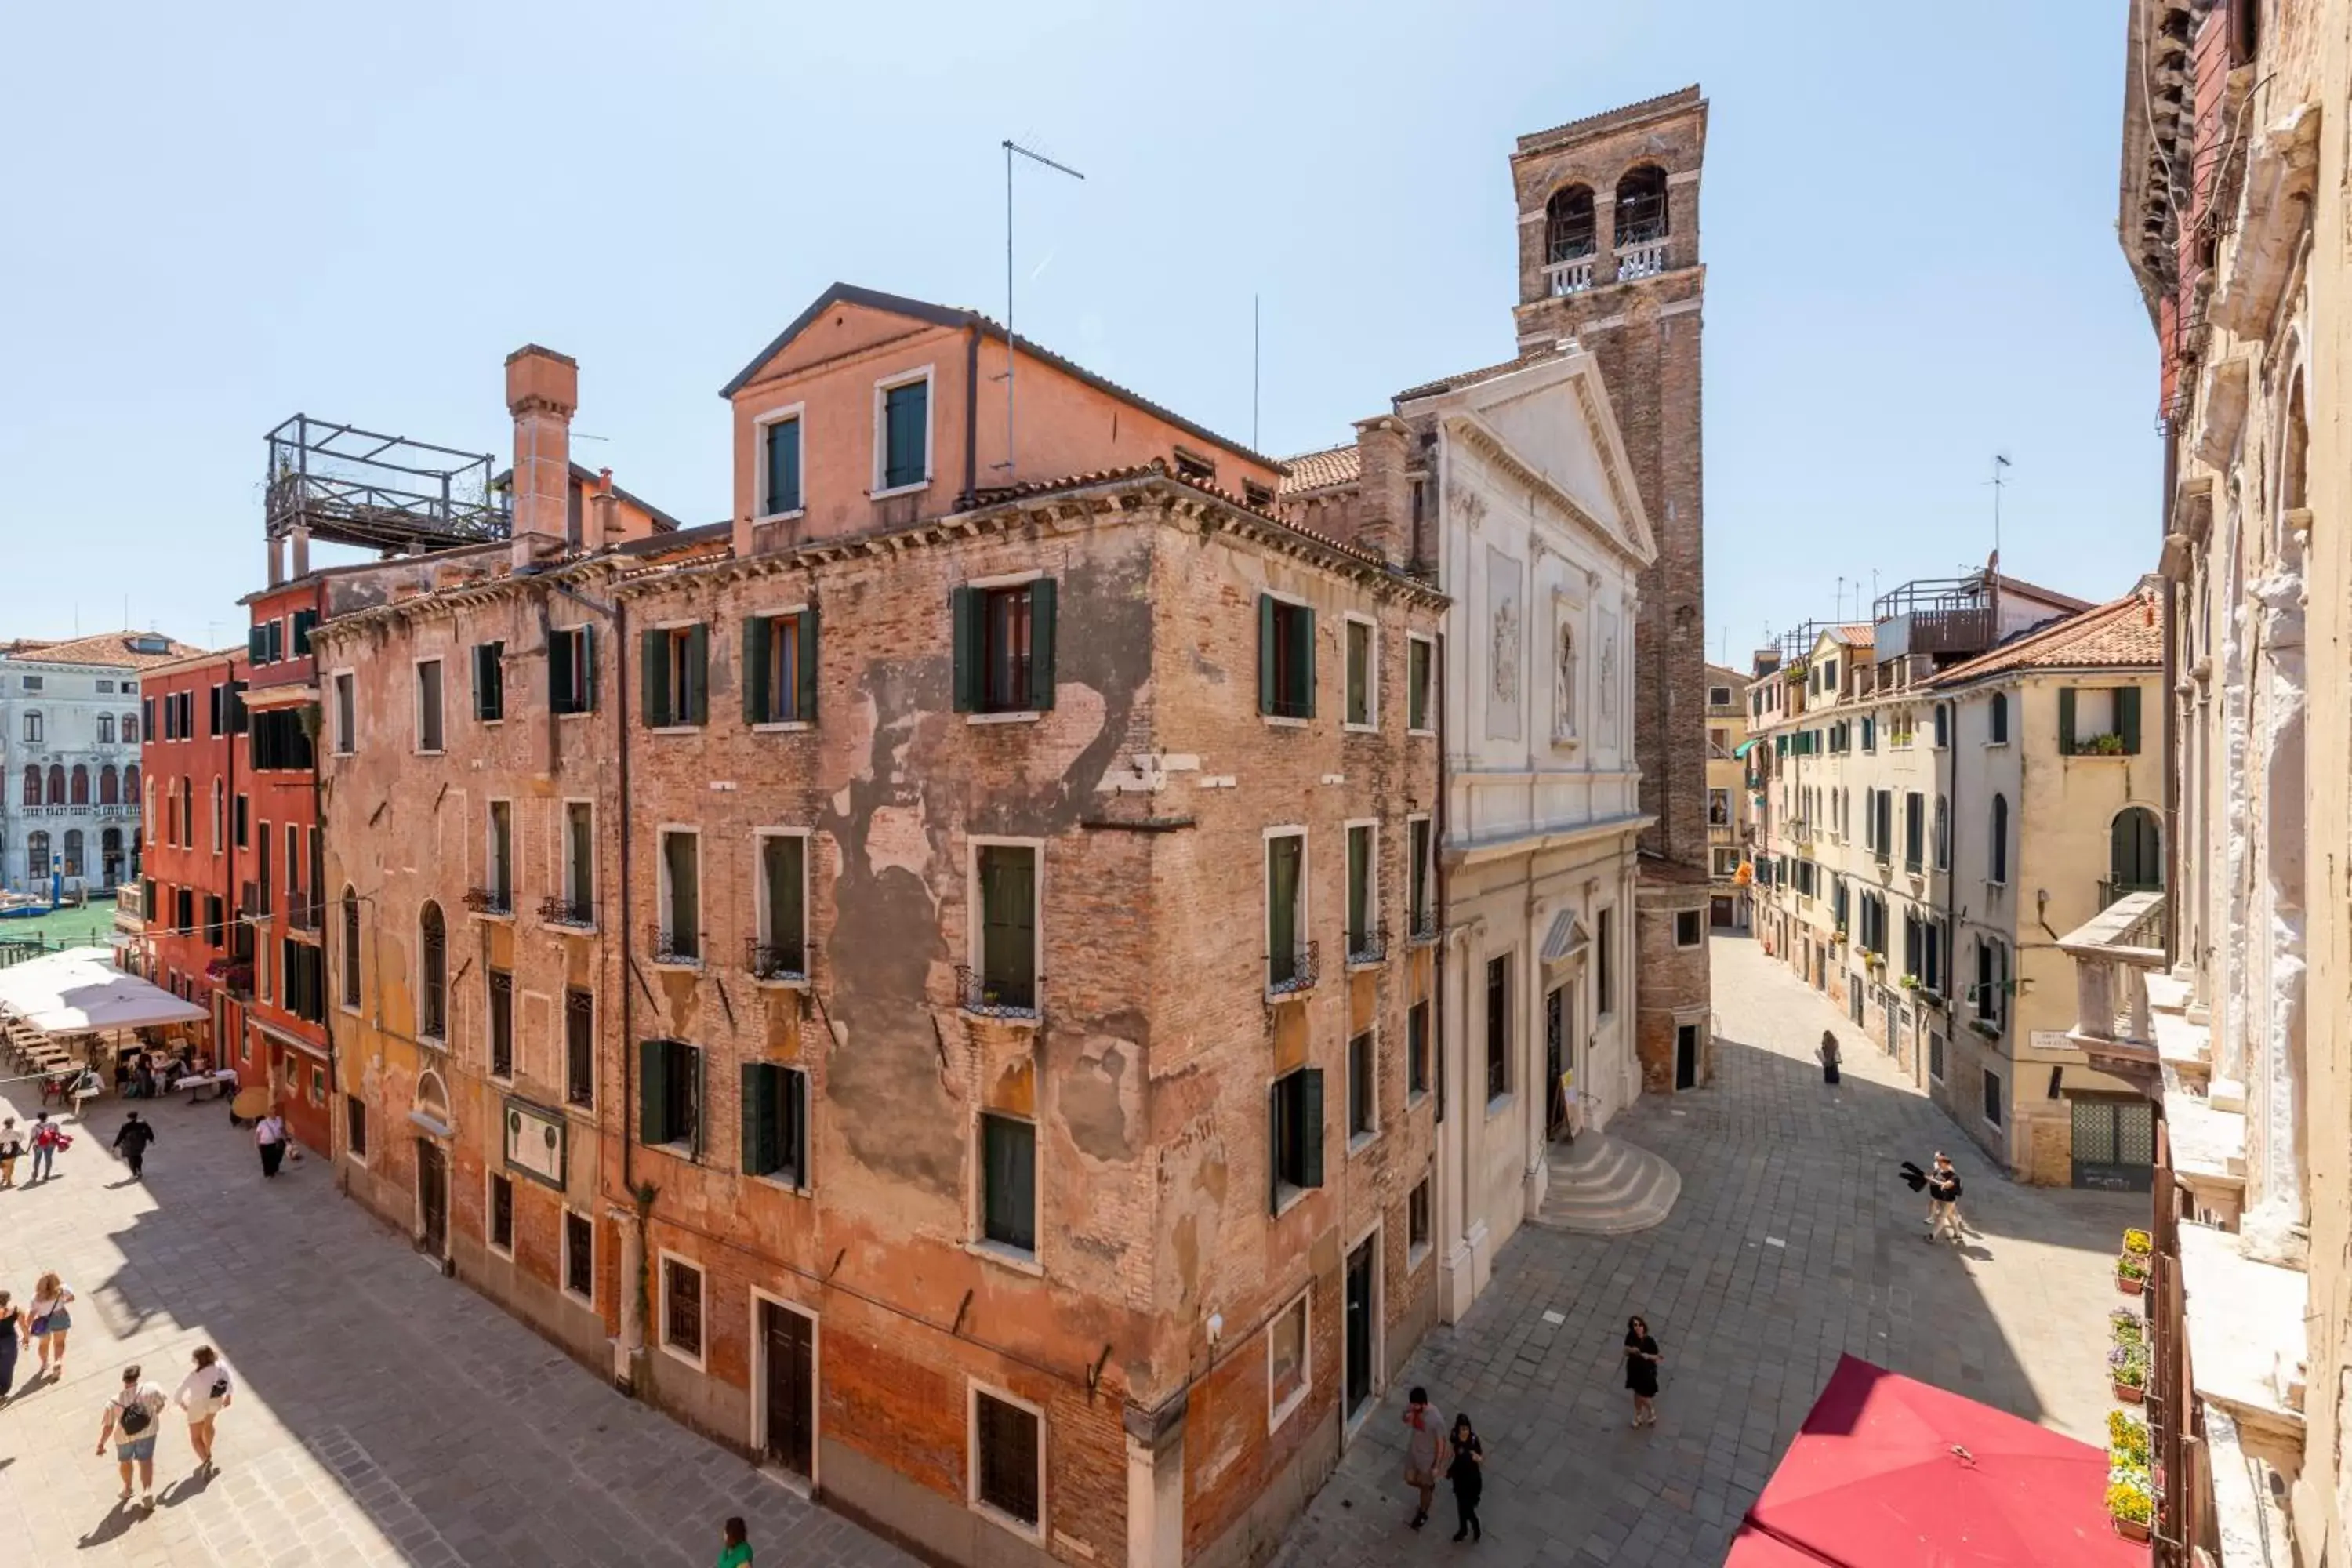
x: 1253, y: 373
x: 1011, y: 147
x: 1998, y: 463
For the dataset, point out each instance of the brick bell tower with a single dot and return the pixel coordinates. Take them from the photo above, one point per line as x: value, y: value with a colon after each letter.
x: 1609, y: 256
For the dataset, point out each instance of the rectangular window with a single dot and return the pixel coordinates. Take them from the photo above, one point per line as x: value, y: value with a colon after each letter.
x: 579, y: 863
x: 675, y: 667
x: 1363, y: 1088
x: 1943, y: 712
x: 1689, y: 928
x: 500, y: 870
x: 1008, y: 1183
x: 1287, y: 1372
x: 906, y: 435
x: 1498, y: 1027
x: 1417, y: 654
x: 1992, y: 1097
x: 670, y: 1083
x: 355, y: 1128
x: 579, y: 1256
x: 681, y: 935
x: 1416, y: 1221
x: 1935, y: 1057
x: 775, y: 1123
x: 349, y: 913
x: 572, y: 669
x: 1422, y: 915
x: 428, y: 705
x: 346, y: 714
x: 304, y: 623
x: 779, y: 444
x: 1914, y: 830
x: 1296, y: 1128
x: 681, y: 1308
x: 1007, y: 970
x: 578, y: 1047
x: 782, y: 950
x: 1416, y: 1048
x: 779, y: 669
x: 490, y: 681
x: 1286, y: 658
x: 217, y: 714
x: 501, y: 989
x: 1005, y: 1460
x: 1604, y: 962
x: 1363, y: 674
x: 1004, y: 648
x: 1289, y: 958
x: 502, y: 1217
x: 1363, y: 908
x: 305, y: 982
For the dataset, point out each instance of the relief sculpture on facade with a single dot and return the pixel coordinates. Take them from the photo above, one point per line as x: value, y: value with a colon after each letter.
x: 1504, y: 634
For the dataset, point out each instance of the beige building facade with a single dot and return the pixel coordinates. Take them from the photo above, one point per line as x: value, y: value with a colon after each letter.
x: 1730, y: 812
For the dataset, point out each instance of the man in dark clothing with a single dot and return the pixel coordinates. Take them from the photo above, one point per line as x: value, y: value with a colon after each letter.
x: 132, y: 1139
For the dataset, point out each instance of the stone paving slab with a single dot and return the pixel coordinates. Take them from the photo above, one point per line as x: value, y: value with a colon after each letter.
x: 385, y: 1415
x: 1795, y: 1241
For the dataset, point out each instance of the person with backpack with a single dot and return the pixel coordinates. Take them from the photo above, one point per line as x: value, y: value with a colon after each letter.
x: 52, y: 1296
x: 48, y: 1139
x: 12, y: 1149
x: 132, y: 1139
x: 131, y: 1418
x: 203, y: 1393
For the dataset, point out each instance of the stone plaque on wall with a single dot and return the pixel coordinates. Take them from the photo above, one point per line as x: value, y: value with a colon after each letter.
x: 1506, y: 646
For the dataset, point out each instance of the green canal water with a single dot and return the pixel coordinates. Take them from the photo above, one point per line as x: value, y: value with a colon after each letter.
x: 89, y: 926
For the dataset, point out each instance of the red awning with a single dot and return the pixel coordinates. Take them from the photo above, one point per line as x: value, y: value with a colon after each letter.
x: 1890, y: 1473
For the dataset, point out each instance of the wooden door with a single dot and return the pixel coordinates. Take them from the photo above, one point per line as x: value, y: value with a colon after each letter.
x: 788, y: 1342
x: 433, y: 1197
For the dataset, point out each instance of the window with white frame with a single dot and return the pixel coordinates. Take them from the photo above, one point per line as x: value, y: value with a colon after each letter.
x: 1003, y: 975
x: 1008, y: 1183
x: 499, y: 1221
x: 1008, y: 1449
x: 579, y: 1256
x: 902, y: 432
x: 1366, y: 934
x: 679, y: 935
x: 1289, y: 956
x: 428, y: 705
x: 779, y: 462
x: 1420, y: 657
x: 781, y: 952
x: 1288, y: 1374
x: 681, y: 1309
x: 1363, y: 674
x: 579, y: 864
x: 1364, y: 1090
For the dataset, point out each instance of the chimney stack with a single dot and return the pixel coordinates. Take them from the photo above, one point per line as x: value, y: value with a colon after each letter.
x: 1384, y: 492
x: 603, y: 508
x: 301, y: 538
x: 542, y: 389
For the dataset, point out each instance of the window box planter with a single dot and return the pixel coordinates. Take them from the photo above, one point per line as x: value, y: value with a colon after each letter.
x: 2131, y: 1508
x: 2127, y: 1372
x: 2138, y: 1243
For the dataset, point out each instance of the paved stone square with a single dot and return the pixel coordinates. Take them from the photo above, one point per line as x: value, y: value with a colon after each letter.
x: 1795, y: 1241
x: 384, y: 1414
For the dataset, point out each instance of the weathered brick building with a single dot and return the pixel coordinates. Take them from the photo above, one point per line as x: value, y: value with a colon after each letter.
x: 1609, y: 256
x: 191, y: 770
x: 874, y: 971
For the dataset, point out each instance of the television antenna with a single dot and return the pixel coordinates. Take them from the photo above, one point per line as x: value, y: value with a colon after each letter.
x: 1011, y: 147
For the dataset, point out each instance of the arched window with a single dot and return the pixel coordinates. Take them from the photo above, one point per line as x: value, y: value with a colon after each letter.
x: 109, y: 855
x: 130, y: 781
x: 32, y: 784
x: 1997, y: 723
x: 1942, y: 834
x: 131, y: 729
x: 110, y: 786
x: 56, y: 783
x: 433, y: 974
x: 2134, y: 853
x: 1641, y: 206
x: 73, y: 852
x: 106, y: 728
x: 1568, y: 224
x: 33, y: 728
x: 432, y: 1096
x: 1997, y: 848
x: 36, y: 854
x: 80, y: 794
x: 351, y: 932
x: 220, y: 816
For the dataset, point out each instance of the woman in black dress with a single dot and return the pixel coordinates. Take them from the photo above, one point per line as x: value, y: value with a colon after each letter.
x: 1642, y: 1370
x: 1468, y: 1477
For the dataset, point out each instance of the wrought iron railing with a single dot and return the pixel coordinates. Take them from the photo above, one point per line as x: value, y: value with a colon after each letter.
x: 253, y: 901
x: 997, y: 996
x: 1422, y: 926
x: 776, y: 961
x: 491, y: 900
x: 1369, y: 945
x: 1300, y: 974
x: 304, y: 914
x: 555, y: 910
x: 669, y: 946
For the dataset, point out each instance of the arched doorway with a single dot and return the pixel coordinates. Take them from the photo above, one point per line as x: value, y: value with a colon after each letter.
x: 2135, y: 855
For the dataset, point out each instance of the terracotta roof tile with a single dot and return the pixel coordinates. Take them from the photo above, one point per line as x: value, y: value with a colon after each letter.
x: 117, y: 648
x: 1342, y: 465
x: 2126, y: 632
x: 1859, y: 634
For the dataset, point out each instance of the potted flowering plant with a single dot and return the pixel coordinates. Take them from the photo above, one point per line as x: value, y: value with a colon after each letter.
x: 2138, y: 1242
x: 2126, y: 1441
x: 2127, y: 1372
x: 2131, y: 1273
x: 2126, y: 1327
x: 2131, y: 1504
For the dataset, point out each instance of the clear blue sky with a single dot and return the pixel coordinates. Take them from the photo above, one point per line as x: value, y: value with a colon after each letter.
x: 215, y: 220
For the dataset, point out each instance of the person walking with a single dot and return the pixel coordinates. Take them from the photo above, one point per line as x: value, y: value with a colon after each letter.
x: 203, y: 1393
x: 50, y: 1321
x: 1944, y: 1215
x: 1466, y: 1471
x: 269, y: 1137
x: 13, y: 1334
x: 1642, y: 1370
x: 132, y: 1139
x: 48, y: 1139
x: 130, y: 1417
x: 12, y: 1149
x: 1421, y: 1440
x: 1828, y: 1055
x: 734, y: 1544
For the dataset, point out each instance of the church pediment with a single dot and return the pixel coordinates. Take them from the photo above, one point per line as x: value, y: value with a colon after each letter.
x: 1551, y: 423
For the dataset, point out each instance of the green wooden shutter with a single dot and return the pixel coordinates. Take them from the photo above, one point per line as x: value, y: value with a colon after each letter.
x: 804, y: 707
x: 1273, y: 1147
x: 2066, y: 720
x: 653, y: 1093
x: 965, y: 632
x: 1310, y: 1127
x: 1306, y: 662
x: 759, y: 1120
x: 2127, y: 718
x: 559, y: 680
x: 585, y: 677
x: 697, y: 676
x: 1041, y: 645
x: 653, y: 666
x: 1267, y: 697
x: 796, y: 1126
x: 701, y: 1100
x: 755, y: 669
